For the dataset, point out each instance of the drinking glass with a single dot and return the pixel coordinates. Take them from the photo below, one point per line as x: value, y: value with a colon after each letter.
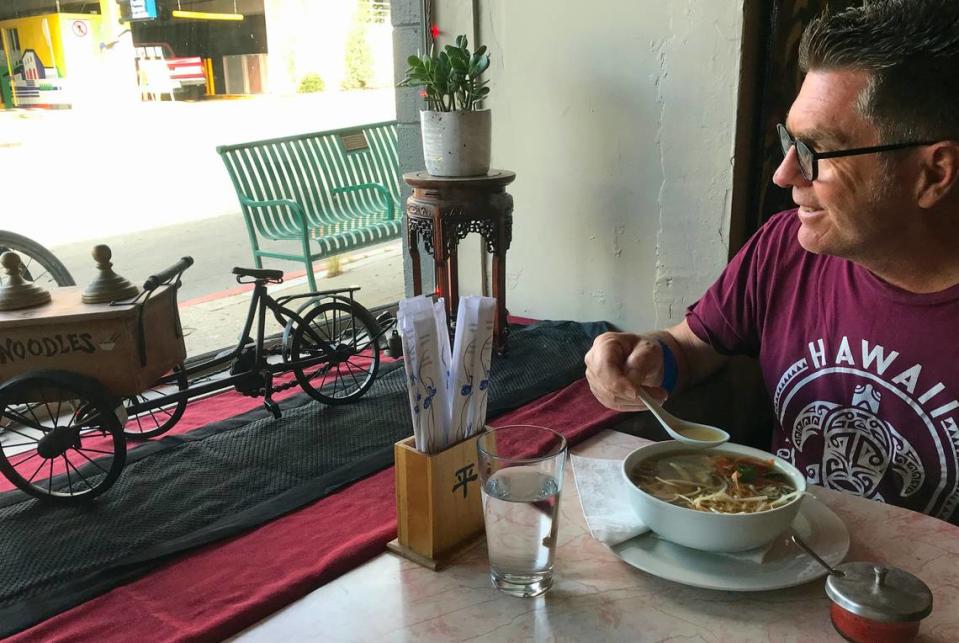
x: 521, y: 469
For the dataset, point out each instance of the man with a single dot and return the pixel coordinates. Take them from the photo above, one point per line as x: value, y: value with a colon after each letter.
x: 850, y: 301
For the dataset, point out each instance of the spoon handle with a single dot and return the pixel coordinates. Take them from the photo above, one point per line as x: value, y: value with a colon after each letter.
x: 806, y: 548
x: 661, y: 414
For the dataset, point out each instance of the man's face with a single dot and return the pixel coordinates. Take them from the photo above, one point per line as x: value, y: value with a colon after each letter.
x: 852, y: 208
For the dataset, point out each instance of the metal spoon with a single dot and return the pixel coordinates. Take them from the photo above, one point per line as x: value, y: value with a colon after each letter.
x: 691, y: 433
x: 803, y: 546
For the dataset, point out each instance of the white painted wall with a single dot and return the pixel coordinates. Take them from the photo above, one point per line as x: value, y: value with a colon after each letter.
x: 618, y: 117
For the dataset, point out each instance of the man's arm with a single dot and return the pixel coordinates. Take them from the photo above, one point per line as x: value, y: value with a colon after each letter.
x: 620, y: 362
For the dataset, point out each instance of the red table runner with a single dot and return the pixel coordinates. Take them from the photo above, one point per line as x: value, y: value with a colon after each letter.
x: 223, y: 588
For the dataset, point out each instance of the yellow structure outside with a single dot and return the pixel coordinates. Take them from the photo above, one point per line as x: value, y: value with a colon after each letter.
x: 31, y: 35
x: 64, y: 45
x: 206, y: 15
x: 76, y: 57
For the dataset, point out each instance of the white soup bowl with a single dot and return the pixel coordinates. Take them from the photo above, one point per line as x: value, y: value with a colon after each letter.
x: 707, y: 530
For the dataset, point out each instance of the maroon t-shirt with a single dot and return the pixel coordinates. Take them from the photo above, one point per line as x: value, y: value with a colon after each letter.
x: 863, y: 375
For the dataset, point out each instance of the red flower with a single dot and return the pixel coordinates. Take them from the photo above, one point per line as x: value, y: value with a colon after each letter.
x: 423, y: 93
x: 435, y: 31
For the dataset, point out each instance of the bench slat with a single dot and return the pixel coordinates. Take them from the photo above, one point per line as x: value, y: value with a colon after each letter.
x: 291, y: 177
x: 315, y: 188
x: 332, y: 169
x: 387, y: 166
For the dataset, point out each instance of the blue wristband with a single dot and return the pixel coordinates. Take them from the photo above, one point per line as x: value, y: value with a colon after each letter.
x: 670, y: 369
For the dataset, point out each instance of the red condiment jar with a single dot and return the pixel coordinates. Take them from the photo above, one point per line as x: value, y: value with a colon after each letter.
x: 877, y: 604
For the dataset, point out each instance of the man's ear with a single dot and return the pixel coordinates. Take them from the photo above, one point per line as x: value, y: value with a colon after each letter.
x: 938, y: 173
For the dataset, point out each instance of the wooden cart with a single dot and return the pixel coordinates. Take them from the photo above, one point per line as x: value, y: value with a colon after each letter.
x: 106, y: 342
x: 66, y: 370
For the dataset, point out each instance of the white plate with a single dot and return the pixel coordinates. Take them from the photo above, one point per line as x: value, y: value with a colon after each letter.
x: 785, y: 564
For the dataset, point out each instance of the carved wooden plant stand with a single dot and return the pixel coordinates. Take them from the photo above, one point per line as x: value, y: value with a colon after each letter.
x: 442, y: 211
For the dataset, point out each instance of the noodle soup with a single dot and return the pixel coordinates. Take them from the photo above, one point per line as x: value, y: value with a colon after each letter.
x: 714, y: 481
x: 726, y: 498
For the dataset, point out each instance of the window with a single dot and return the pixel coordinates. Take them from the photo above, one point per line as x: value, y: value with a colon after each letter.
x: 109, y: 130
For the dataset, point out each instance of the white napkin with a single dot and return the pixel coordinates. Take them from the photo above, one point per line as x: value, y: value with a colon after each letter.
x: 485, y: 308
x: 602, y: 493
x: 422, y: 326
x: 448, y: 387
x: 609, y: 512
x: 445, y: 359
x: 469, y: 377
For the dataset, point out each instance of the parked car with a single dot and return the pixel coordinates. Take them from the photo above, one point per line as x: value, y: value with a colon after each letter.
x: 187, y: 76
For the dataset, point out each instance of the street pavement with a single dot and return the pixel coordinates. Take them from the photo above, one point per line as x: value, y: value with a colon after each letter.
x: 93, y: 173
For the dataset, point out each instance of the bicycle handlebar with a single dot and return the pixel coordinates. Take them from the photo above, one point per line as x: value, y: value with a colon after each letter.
x: 154, y: 281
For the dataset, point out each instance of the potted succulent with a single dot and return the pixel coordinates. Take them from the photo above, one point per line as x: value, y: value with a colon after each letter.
x: 456, y: 132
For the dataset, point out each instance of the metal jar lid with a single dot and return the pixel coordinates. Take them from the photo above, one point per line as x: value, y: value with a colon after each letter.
x: 879, y: 593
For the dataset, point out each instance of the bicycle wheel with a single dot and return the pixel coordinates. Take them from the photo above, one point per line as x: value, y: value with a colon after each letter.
x: 153, y: 422
x: 347, y: 371
x: 39, y: 264
x: 59, y: 437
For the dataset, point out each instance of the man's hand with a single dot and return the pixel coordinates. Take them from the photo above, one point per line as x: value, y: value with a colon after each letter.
x: 619, y: 363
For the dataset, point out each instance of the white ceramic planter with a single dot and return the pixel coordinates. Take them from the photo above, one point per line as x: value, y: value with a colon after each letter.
x: 456, y: 143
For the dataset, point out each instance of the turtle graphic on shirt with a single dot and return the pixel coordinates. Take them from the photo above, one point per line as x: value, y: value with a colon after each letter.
x: 858, y: 446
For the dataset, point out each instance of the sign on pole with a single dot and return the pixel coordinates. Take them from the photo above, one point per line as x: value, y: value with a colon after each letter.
x: 143, y: 9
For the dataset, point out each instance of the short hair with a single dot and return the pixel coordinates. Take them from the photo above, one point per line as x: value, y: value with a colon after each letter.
x: 909, y: 49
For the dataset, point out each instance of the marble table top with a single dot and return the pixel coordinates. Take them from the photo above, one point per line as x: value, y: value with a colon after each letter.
x: 597, y: 597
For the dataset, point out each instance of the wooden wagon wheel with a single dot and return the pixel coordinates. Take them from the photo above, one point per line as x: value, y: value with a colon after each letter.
x: 153, y: 422
x: 348, y: 371
x: 60, y: 439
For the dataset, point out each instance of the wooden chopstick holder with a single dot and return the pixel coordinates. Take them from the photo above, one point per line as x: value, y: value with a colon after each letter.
x: 439, y: 509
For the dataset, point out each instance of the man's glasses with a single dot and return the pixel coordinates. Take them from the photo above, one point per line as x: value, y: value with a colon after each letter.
x: 809, y: 158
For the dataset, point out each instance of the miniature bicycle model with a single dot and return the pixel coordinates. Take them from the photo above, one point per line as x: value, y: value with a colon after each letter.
x: 117, y: 373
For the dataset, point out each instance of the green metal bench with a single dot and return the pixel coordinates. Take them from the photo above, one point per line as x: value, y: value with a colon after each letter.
x: 338, y: 189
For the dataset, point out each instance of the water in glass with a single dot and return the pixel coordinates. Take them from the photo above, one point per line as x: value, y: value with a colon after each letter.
x: 519, y: 505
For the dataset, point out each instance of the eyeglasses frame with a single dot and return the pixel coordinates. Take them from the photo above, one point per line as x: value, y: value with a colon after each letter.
x: 855, y: 151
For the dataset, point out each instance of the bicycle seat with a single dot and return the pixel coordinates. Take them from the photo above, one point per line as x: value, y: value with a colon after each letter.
x: 256, y: 273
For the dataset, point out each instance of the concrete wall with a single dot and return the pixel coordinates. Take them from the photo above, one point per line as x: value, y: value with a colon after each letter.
x: 618, y: 117
x: 408, y: 38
